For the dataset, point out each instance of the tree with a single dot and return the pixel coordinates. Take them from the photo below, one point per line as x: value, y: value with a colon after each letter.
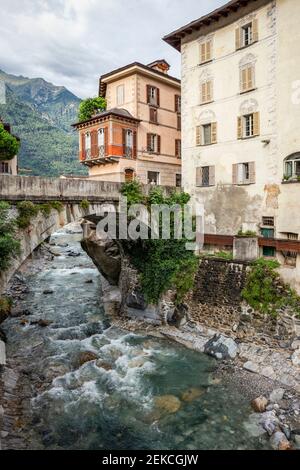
x: 88, y: 107
x: 9, y: 145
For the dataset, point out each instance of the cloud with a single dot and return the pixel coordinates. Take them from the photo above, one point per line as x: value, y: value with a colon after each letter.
x: 73, y: 42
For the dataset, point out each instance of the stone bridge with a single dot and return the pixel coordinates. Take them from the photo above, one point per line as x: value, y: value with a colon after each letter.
x: 69, y: 191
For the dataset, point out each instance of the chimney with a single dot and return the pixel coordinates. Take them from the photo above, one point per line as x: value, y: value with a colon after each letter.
x: 160, y: 65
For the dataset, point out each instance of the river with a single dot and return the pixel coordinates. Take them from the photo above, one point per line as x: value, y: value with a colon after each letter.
x: 137, y: 393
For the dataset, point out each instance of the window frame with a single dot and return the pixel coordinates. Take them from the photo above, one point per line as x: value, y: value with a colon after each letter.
x: 203, y: 127
x: 157, y: 183
x: 248, y: 26
x: 122, y: 101
x: 250, y: 127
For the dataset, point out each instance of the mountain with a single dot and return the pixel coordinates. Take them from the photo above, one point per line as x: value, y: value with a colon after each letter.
x: 41, y: 114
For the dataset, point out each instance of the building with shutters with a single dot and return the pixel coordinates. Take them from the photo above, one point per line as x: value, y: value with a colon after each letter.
x: 8, y: 167
x: 241, y: 122
x: 140, y: 133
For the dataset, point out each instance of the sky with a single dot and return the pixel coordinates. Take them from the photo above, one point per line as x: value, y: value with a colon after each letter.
x: 73, y: 42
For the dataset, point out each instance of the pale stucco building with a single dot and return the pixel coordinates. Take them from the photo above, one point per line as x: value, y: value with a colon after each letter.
x: 139, y: 136
x: 241, y: 122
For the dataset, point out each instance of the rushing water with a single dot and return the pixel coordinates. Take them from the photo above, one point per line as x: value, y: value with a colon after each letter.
x: 141, y: 393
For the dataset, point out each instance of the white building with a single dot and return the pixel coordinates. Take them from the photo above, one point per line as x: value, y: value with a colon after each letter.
x: 241, y: 123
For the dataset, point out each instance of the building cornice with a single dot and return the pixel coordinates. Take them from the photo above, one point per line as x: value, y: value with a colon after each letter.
x: 226, y: 13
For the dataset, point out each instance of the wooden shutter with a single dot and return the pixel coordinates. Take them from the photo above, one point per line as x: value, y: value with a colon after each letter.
x: 244, y: 75
x: 178, y: 148
x: 152, y: 114
x: 208, y: 50
x: 106, y: 140
x: 238, y: 38
x: 157, y: 97
x: 148, y: 88
x: 212, y: 176
x: 213, y: 132
x: 124, y: 141
x: 252, y: 175
x: 134, y: 138
x: 240, y: 127
x: 149, y: 142
x: 255, y: 30
x: 202, y: 52
x: 82, y: 156
x: 94, y: 144
x: 256, y: 124
x: 250, y: 77
x: 235, y: 169
x: 158, y: 144
x: 209, y: 90
x: 199, y: 135
x: 203, y: 93
x: 199, y: 176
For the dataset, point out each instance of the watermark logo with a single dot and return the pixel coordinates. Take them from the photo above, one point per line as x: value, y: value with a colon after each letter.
x: 157, y: 222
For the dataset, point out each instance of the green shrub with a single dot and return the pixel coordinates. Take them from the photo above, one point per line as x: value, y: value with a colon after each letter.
x: 27, y: 210
x: 9, y: 145
x: 247, y: 234
x: 84, y: 204
x: 262, y: 290
x: 9, y: 245
x: 162, y: 264
x: 89, y: 106
x: 57, y: 205
x: 45, y: 209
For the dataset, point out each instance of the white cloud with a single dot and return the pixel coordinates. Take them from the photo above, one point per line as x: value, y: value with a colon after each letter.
x: 73, y: 42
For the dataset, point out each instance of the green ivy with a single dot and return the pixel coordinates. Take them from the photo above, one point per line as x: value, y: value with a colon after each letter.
x: 9, y: 145
x: 162, y: 264
x: 9, y: 245
x: 28, y: 210
x: 265, y: 292
x: 84, y: 204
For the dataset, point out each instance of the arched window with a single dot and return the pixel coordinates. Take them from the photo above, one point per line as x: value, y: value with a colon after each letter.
x: 129, y: 175
x: 292, y: 166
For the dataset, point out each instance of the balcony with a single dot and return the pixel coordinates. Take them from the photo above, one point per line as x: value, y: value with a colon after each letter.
x: 96, y: 156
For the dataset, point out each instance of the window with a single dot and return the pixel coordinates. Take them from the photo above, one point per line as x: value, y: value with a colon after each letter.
x: 179, y: 122
x: 153, y: 95
x: 153, y: 143
x: 268, y: 221
x: 178, y: 148
x: 206, y: 92
x: 178, y: 180
x: 120, y: 95
x: 247, y: 34
x: 243, y: 173
x: 269, y: 251
x: 153, y: 115
x: 205, y: 176
x: 247, y: 78
x: 292, y: 236
x: 248, y: 126
x: 206, y: 134
x: 177, y: 103
x: 4, y: 168
x: 88, y: 145
x: 129, y: 175
x: 205, y: 51
x: 292, y: 166
x: 101, y: 142
x: 268, y: 232
x: 153, y: 178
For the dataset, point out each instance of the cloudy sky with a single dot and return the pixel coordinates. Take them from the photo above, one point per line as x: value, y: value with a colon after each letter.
x: 73, y: 42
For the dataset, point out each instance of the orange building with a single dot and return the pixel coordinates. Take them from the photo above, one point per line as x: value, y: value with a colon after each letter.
x: 140, y: 133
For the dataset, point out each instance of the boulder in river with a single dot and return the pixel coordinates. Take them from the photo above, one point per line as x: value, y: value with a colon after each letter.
x: 168, y: 403
x: 259, y: 404
x: 221, y: 347
x: 279, y: 441
x: 192, y: 394
x: 86, y: 356
x: 277, y: 395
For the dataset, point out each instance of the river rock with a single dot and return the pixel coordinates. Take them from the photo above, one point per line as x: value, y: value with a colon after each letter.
x: 86, y: 356
x: 139, y: 362
x: 192, y: 394
x: 259, y: 404
x: 74, y: 254
x: 269, y: 422
x: 295, y: 344
x: 276, y: 395
x: 279, y: 441
x: 48, y: 292
x: 296, y: 358
x: 104, y: 365
x: 136, y: 299
x: 2, y: 353
x: 221, y: 347
x: 168, y: 403
x: 253, y: 426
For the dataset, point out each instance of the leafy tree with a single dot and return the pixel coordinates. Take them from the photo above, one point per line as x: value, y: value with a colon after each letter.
x: 88, y: 107
x: 9, y: 145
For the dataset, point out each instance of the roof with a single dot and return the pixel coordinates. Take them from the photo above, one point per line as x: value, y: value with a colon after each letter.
x: 174, y: 38
x: 117, y: 112
x: 148, y: 68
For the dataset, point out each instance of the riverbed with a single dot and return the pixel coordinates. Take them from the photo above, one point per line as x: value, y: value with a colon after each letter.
x: 90, y: 385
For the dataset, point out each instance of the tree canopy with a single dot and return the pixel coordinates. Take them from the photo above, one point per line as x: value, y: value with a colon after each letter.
x: 9, y: 145
x: 88, y: 107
